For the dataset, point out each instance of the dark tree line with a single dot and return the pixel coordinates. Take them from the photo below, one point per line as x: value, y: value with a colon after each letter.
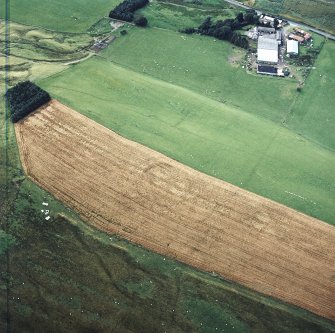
x: 24, y: 98
x: 125, y: 10
x: 225, y: 30
x: 141, y: 21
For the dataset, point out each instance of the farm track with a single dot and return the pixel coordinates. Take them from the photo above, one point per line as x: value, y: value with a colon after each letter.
x: 122, y: 187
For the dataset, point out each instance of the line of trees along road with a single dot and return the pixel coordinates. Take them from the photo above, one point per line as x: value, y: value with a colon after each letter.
x: 226, y: 30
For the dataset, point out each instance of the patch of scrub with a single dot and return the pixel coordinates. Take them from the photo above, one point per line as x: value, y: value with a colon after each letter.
x: 143, y: 289
x: 212, y: 317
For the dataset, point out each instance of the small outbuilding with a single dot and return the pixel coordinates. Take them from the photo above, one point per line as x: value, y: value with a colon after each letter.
x: 266, y: 30
x: 296, y: 37
x: 292, y: 47
x: 267, y: 70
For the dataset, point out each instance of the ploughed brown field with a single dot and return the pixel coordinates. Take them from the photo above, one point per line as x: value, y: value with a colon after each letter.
x: 122, y: 187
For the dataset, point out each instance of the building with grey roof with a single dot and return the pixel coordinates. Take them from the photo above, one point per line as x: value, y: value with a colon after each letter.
x: 267, y: 49
x: 266, y: 30
x: 292, y: 47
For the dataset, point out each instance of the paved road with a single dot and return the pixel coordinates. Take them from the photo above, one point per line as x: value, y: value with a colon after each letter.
x: 293, y: 23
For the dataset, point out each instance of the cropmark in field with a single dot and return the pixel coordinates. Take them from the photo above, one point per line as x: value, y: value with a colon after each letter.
x: 123, y: 187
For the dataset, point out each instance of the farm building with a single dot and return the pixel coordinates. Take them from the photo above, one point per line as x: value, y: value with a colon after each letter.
x: 307, y: 36
x: 267, y: 70
x: 262, y: 30
x: 267, y: 49
x: 270, y: 20
x: 302, y: 33
x: 264, y: 19
x: 299, y: 31
x: 296, y: 38
x: 253, y: 33
x: 279, y: 36
x: 292, y: 47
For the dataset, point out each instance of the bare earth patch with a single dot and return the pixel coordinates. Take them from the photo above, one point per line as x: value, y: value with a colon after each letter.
x: 116, y: 25
x: 122, y: 187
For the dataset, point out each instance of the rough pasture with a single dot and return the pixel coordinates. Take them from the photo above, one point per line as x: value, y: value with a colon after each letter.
x: 123, y: 187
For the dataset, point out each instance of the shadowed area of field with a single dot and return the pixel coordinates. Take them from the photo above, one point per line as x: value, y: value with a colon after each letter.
x: 125, y: 188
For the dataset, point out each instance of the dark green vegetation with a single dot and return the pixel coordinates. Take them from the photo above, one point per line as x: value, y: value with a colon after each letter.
x: 25, y: 98
x: 66, y: 277
x: 318, y: 13
x: 125, y: 10
x: 141, y: 21
x: 225, y: 30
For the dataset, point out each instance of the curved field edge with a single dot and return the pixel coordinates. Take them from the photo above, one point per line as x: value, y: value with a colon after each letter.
x: 58, y: 264
x: 215, y: 69
x: 123, y: 187
x: 229, y: 144
x: 140, y: 282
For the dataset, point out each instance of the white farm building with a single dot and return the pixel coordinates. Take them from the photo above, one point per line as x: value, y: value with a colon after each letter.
x: 267, y: 49
x: 292, y: 47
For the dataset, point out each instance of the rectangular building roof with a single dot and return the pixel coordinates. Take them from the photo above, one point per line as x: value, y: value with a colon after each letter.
x: 267, y: 70
x: 292, y: 46
x: 307, y: 36
x: 297, y: 38
x: 267, y: 43
x: 270, y: 56
x: 267, y: 49
x: 266, y: 29
x: 299, y: 31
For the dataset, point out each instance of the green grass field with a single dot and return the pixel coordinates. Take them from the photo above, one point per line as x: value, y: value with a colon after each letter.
x: 59, y: 15
x: 215, y: 138
x: 36, y: 52
x: 203, y: 65
x: 175, y: 16
x: 313, y: 113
